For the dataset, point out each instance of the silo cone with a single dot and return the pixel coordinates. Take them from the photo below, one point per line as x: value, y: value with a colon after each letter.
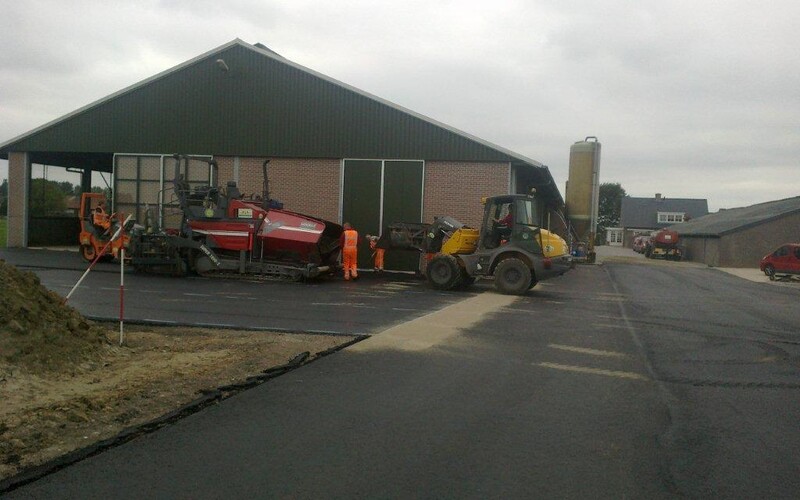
x: 583, y: 191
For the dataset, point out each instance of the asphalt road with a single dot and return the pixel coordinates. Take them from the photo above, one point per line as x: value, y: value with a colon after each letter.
x: 332, y: 305
x: 614, y: 381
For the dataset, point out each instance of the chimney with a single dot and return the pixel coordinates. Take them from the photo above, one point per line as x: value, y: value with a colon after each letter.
x: 658, y: 196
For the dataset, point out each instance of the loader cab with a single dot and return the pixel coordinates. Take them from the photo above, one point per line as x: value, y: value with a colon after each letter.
x: 510, y: 220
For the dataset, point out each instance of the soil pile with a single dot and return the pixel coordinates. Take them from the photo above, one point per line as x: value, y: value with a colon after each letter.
x: 63, y: 386
x: 38, y: 332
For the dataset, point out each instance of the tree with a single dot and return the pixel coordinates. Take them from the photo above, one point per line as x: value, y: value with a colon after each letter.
x: 4, y: 197
x: 47, y: 198
x: 610, y: 208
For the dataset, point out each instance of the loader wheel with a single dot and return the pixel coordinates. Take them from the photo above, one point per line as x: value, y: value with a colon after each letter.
x: 466, y: 279
x: 443, y: 272
x: 88, y: 252
x: 512, y: 276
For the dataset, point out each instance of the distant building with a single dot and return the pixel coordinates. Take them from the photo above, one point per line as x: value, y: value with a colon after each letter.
x: 740, y: 237
x: 645, y: 215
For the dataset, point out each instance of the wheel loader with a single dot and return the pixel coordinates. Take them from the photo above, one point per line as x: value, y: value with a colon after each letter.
x: 511, y: 247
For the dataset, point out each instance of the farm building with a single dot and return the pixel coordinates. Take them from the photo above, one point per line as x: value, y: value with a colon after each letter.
x: 335, y: 152
x: 740, y: 237
x: 642, y: 216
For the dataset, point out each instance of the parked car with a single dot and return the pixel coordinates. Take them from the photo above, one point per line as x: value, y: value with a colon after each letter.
x: 784, y: 261
x: 639, y: 243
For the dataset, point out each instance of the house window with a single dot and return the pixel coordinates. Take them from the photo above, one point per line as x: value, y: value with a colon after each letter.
x: 670, y: 217
x: 614, y: 236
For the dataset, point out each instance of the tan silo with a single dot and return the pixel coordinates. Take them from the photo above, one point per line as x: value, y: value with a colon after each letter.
x: 583, y: 189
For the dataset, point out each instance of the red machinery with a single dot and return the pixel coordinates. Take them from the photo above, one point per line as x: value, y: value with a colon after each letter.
x: 664, y: 245
x: 223, y: 233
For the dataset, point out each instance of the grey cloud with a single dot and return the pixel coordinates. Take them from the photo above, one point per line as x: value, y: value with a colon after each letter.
x: 687, y: 97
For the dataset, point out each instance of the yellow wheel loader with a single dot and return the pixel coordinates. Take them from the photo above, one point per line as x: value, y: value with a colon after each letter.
x: 511, y: 247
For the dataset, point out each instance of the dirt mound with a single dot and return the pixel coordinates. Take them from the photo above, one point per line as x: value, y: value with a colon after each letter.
x: 38, y: 332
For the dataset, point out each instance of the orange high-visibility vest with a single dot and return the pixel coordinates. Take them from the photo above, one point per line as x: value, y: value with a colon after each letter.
x: 350, y: 239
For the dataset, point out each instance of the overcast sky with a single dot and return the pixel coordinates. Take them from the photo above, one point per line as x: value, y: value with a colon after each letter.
x: 692, y: 99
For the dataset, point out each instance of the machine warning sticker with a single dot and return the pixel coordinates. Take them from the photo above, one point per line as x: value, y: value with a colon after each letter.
x: 244, y: 213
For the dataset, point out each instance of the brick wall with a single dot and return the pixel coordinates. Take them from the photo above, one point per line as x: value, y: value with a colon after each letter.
x: 456, y: 188
x: 307, y: 185
x: 19, y: 172
x: 312, y: 186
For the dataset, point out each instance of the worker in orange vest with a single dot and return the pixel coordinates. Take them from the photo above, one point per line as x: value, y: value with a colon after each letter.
x: 377, y: 252
x: 349, y: 244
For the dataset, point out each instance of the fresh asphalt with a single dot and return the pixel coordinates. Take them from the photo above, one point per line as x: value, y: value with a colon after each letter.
x: 334, y: 306
x: 612, y: 381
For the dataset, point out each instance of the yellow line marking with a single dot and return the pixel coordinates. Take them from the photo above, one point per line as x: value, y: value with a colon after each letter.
x: 436, y: 327
x: 584, y: 350
x: 593, y: 371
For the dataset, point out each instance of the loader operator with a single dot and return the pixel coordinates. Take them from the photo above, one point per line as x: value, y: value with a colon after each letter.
x: 502, y: 228
x: 349, y: 244
x: 100, y: 218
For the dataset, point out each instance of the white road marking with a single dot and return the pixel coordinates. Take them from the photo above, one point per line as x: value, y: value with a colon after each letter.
x: 337, y: 304
x: 593, y: 371
x: 197, y: 294
x: 584, y: 350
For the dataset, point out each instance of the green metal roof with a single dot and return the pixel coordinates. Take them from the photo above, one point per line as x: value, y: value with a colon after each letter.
x: 262, y: 105
x: 256, y: 103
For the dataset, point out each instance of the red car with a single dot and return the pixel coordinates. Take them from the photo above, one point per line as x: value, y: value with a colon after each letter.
x: 783, y: 261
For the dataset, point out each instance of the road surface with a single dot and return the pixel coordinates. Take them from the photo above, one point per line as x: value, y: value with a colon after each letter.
x: 613, y: 381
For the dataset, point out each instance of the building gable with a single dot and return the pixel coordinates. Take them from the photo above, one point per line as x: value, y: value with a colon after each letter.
x: 643, y: 213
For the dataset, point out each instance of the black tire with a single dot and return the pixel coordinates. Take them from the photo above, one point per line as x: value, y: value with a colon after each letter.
x: 466, y: 279
x: 88, y: 252
x: 443, y: 272
x: 770, y: 271
x: 512, y: 276
x: 181, y: 269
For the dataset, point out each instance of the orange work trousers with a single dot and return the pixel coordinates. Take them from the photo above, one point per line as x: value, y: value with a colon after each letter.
x: 379, y: 258
x: 349, y: 261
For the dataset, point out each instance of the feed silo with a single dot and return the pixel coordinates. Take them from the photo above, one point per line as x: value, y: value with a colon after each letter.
x: 583, y: 191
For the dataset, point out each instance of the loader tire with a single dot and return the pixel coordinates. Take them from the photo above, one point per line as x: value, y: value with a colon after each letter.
x: 466, y: 279
x: 88, y: 252
x: 443, y: 272
x: 512, y: 277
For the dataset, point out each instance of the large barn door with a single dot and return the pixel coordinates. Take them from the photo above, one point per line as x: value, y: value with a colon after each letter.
x: 142, y: 181
x: 402, y: 202
x: 361, y: 201
x: 377, y: 193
